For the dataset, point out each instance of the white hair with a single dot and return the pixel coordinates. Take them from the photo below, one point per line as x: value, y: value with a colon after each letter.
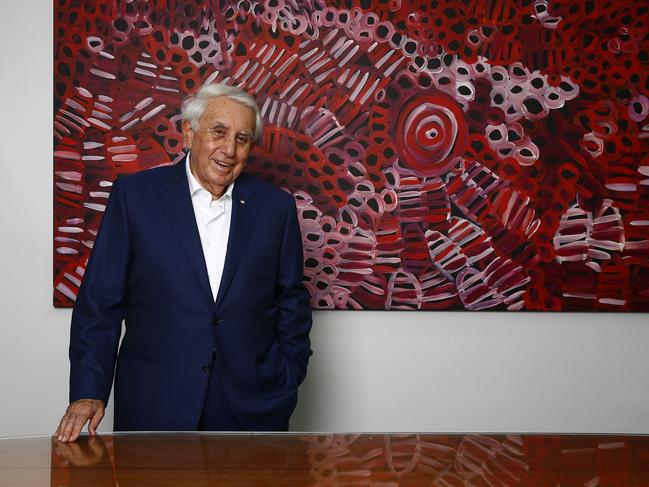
x: 194, y: 105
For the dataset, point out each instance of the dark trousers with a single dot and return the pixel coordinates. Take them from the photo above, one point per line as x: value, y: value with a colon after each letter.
x: 217, y: 414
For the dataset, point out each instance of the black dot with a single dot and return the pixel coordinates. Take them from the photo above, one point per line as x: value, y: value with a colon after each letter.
x: 566, y: 86
x: 121, y: 25
x: 64, y: 69
x: 458, y: 28
x: 410, y: 47
x: 533, y: 106
x: 464, y: 90
x: 188, y: 43
x: 344, y: 184
x: 404, y: 82
x: 537, y: 83
x: 495, y: 135
x: 450, y: 12
x: 434, y: 63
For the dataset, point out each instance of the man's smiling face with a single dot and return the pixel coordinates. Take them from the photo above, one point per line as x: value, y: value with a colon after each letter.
x: 221, y: 144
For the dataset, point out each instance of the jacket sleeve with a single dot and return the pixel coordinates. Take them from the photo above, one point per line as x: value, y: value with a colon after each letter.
x: 294, y: 322
x: 101, y: 305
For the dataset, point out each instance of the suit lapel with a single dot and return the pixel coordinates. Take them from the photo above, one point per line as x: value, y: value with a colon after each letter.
x: 176, y: 202
x: 245, y: 208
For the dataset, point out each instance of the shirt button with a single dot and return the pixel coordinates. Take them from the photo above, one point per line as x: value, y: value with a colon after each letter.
x: 206, y: 368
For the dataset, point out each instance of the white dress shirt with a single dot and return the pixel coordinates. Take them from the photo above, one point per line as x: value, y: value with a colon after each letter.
x: 213, y: 220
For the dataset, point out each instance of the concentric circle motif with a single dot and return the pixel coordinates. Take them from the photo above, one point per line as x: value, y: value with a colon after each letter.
x: 430, y: 133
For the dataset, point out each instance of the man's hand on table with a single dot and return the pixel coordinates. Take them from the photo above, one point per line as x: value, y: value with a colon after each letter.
x: 77, y: 415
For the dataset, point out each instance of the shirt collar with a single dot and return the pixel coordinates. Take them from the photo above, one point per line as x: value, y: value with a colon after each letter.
x: 196, y: 187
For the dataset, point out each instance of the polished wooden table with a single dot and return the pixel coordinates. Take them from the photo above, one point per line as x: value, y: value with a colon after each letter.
x: 299, y: 459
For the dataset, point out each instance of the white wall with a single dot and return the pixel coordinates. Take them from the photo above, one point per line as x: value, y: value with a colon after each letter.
x: 371, y: 371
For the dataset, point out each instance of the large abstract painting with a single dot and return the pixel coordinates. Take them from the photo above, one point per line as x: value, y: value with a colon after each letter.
x: 467, y: 154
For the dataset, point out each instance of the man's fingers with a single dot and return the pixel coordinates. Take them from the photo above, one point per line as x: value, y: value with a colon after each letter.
x: 77, y: 426
x: 66, y: 429
x: 72, y: 425
x: 62, y: 427
x: 94, y: 422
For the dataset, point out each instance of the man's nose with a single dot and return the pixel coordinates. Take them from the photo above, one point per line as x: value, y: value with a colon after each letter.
x: 230, y: 146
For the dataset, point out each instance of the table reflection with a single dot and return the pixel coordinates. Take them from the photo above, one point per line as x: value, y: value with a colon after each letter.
x: 384, y: 460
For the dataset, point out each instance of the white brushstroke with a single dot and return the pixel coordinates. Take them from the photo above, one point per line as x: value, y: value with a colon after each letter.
x: 153, y: 112
x: 74, y: 280
x: 65, y: 229
x: 103, y: 74
x: 95, y: 206
x: 124, y: 158
x: 64, y: 154
x: 144, y: 72
x: 70, y: 188
x: 99, y: 123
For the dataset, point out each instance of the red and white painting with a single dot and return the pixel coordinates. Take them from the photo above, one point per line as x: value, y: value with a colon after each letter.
x: 467, y: 154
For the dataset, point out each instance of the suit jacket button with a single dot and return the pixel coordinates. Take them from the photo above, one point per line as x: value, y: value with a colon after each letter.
x: 216, y: 321
x: 206, y: 368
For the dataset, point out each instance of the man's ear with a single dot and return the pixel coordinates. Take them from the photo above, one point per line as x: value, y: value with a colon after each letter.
x: 188, y: 134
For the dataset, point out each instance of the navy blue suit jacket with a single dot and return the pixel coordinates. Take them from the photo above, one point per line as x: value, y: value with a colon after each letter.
x: 147, y: 267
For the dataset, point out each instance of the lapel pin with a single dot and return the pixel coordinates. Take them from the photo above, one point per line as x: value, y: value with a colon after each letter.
x: 243, y: 202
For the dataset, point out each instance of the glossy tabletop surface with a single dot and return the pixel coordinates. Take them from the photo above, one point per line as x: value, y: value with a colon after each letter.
x: 300, y: 459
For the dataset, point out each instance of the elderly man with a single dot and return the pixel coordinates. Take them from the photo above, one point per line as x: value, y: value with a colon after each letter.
x: 204, y: 262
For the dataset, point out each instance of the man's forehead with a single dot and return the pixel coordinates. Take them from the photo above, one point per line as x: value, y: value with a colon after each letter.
x: 226, y: 113
x: 219, y: 124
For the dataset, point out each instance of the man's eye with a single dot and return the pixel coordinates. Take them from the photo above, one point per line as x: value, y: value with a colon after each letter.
x: 243, y: 139
x: 219, y: 132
